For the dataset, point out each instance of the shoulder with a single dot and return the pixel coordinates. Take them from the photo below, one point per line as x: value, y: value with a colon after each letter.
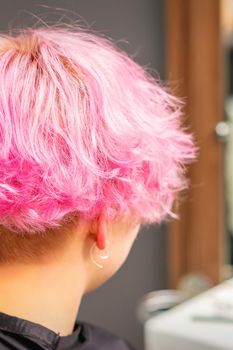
x: 100, y: 338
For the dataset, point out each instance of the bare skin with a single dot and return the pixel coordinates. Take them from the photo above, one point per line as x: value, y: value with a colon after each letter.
x: 42, y: 292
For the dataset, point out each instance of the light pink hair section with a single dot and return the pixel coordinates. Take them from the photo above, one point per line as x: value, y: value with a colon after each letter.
x: 84, y: 130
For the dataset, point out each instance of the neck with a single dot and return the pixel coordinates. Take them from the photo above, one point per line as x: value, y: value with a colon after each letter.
x: 48, y: 294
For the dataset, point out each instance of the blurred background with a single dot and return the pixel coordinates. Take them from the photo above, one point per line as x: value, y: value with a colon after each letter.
x: 190, y: 44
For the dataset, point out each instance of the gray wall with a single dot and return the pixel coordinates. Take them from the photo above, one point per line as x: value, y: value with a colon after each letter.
x: 140, y: 23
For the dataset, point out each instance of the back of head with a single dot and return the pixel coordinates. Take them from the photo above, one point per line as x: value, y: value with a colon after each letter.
x: 83, y: 130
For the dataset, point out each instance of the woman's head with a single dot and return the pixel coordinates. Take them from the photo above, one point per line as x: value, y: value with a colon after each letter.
x: 85, y: 132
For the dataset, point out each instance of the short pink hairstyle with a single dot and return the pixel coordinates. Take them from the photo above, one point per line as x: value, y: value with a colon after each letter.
x: 84, y: 130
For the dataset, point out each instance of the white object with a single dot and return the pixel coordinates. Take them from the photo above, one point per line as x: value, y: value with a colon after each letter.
x: 204, y: 322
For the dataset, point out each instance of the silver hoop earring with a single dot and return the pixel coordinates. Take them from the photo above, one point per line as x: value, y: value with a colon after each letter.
x: 98, y: 255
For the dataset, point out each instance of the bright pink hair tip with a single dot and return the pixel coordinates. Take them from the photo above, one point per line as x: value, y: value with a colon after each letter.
x: 84, y: 129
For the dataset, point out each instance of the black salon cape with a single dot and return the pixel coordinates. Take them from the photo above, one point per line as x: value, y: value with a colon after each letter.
x: 20, y: 334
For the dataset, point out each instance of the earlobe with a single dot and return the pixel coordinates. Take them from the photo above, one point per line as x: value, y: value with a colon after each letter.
x: 101, y: 234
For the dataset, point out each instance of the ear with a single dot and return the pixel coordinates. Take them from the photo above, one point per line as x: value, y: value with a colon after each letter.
x: 101, y: 233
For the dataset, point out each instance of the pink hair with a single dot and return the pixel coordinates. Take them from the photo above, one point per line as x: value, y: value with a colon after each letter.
x: 84, y: 129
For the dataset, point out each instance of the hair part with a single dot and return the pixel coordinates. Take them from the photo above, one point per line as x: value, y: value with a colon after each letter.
x: 84, y: 130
